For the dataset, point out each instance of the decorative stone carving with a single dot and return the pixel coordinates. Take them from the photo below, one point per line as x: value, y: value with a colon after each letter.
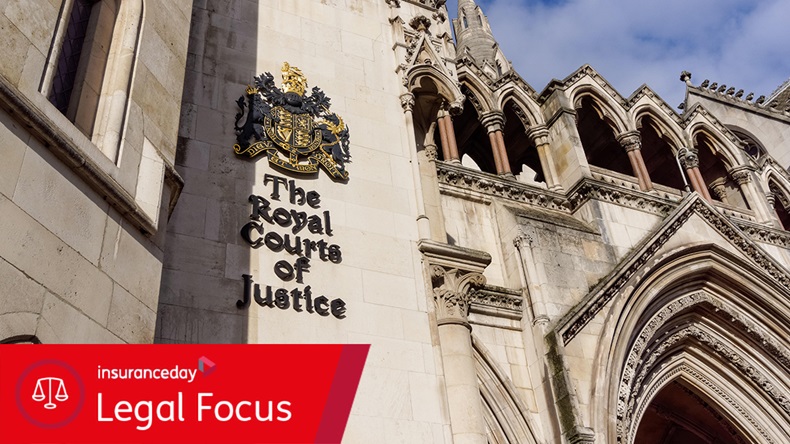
x: 630, y: 141
x: 431, y: 152
x: 715, y: 220
x: 689, y: 158
x: 393, y: 3
x: 420, y: 23
x: 741, y: 175
x: 452, y: 292
x: 539, y: 135
x: 493, y: 121
x: 719, y: 189
x: 407, y: 102
x: 496, y: 297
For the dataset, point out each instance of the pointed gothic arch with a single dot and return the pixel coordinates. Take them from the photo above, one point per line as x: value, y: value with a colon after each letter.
x: 718, y: 315
x: 598, y: 132
x: 507, y: 418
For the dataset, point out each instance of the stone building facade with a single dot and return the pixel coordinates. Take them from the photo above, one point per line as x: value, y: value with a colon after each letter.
x: 565, y: 265
x: 90, y: 94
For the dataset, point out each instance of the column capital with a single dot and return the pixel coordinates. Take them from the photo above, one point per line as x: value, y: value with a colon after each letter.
x: 456, y: 107
x: 742, y: 175
x: 689, y: 158
x: 431, y: 151
x: 539, y: 135
x: 719, y: 189
x: 771, y: 198
x: 452, y: 292
x: 493, y: 121
x: 631, y: 140
x: 407, y: 102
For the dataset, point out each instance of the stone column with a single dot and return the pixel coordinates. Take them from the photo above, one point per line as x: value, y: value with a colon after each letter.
x: 447, y: 136
x: 743, y: 176
x: 494, y: 122
x: 689, y: 158
x: 423, y: 224
x: 455, y: 273
x: 540, y: 137
x: 632, y: 143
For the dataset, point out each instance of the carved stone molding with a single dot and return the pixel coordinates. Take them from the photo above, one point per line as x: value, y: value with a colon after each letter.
x: 627, y: 404
x: 628, y: 387
x: 539, y: 135
x: 630, y: 141
x: 407, y: 102
x: 452, y: 292
x: 741, y: 175
x: 493, y: 121
x: 712, y: 388
x: 458, y: 176
x: 689, y: 158
x: 507, y: 301
x: 431, y: 152
x: 455, y: 273
x: 726, y: 228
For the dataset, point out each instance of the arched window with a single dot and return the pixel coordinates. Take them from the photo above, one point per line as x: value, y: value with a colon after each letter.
x: 90, y: 66
x: 24, y: 339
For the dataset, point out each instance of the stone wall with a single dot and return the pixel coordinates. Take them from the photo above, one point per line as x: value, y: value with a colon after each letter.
x: 83, y: 236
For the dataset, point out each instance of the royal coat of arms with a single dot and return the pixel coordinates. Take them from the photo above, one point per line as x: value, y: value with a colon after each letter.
x: 297, y: 132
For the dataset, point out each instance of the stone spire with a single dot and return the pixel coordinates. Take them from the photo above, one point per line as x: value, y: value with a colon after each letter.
x: 474, y: 37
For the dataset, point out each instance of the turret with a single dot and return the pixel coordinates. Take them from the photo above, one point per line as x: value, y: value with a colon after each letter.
x: 474, y: 39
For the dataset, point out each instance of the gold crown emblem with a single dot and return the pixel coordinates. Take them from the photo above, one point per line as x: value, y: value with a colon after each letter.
x: 293, y: 80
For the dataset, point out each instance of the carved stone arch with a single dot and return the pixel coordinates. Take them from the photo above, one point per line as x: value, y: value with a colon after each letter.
x: 608, y: 110
x: 525, y: 161
x: 662, y: 124
x: 745, y: 302
x: 777, y: 190
x: 18, y: 325
x: 660, y: 141
x: 701, y: 380
x: 720, y: 144
x: 529, y: 113
x: 446, y: 87
x: 752, y: 145
x: 481, y: 91
x: 21, y: 339
x: 507, y: 417
x: 601, y: 130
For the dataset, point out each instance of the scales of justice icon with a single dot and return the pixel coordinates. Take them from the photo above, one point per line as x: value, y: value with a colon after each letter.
x: 39, y: 393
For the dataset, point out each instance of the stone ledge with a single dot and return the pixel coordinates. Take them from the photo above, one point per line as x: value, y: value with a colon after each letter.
x: 71, y: 154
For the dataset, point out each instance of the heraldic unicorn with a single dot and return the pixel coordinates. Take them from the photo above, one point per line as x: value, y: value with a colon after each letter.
x: 297, y: 132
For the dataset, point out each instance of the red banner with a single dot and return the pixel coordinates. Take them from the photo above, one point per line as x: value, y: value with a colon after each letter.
x: 177, y: 393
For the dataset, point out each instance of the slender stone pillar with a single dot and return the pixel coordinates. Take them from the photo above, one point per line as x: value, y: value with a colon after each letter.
x: 443, y: 136
x: 447, y: 136
x: 423, y: 223
x: 454, y: 156
x: 689, y: 158
x: 540, y: 137
x: 455, y: 273
x: 493, y: 123
x: 743, y: 176
x: 632, y: 143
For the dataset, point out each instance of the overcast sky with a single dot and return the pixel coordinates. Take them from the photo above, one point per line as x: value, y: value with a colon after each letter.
x: 741, y: 43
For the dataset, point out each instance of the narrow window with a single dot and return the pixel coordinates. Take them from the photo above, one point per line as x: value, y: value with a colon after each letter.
x: 466, y: 25
x: 480, y: 19
x: 71, y: 50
